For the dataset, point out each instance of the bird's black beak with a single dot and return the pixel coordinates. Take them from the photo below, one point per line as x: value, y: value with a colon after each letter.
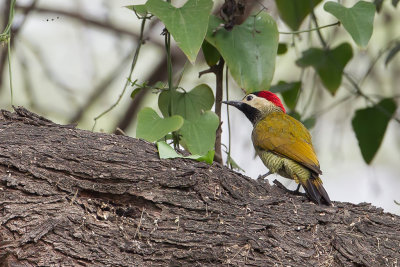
x: 251, y: 113
x: 237, y: 104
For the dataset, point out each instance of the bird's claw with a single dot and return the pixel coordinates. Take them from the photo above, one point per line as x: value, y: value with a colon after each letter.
x: 294, y: 192
x: 262, y: 177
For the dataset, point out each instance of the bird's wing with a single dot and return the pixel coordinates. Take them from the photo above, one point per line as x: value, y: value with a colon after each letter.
x: 284, y: 135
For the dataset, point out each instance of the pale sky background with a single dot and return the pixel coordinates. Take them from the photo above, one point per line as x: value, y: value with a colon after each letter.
x: 78, y: 57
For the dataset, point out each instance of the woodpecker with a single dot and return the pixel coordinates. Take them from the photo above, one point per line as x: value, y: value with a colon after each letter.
x: 283, y: 143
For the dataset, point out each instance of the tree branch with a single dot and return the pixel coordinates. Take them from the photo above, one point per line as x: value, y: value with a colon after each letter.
x: 73, y: 197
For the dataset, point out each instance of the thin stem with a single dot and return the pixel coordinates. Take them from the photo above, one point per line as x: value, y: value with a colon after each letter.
x: 169, y: 61
x: 219, y: 74
x: 310, y: 98
x: 380, y: 54
x: 321, y: 38
x: 9, y: 71
x: 169, y: 70
x: 171, y: 87
x: 184, y: 69
x: 7, y: 30
x: 135, y: 58
x: 357, y: 88
x: 313, y: 29
x: 366, y: 97
x: 228, y: 117
x: 332, y: 106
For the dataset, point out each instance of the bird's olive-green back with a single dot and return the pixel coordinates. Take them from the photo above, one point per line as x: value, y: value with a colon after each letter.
x: 286, y: 136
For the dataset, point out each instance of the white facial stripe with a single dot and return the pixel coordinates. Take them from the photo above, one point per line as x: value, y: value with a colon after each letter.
x: 260, y: 103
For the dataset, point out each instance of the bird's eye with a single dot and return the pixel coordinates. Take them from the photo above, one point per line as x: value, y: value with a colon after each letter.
x: 249, y: 97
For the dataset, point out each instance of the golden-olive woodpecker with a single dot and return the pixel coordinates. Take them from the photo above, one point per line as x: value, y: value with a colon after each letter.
x: 283, y: 143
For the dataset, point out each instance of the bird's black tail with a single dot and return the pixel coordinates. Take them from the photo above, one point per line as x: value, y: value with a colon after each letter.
x: 316, y: 191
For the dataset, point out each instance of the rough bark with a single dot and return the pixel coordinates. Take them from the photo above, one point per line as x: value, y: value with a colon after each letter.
x: 70, y: 197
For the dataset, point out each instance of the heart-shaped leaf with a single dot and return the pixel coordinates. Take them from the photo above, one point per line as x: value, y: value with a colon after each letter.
x: 152, y: 127
x: 187, y: 104
x: 188, y: 24
x: 329, y: 64
x: 249, y: 50
x: 357, y: 20
x: 198, y: 135
x: 294, y: 12
x: 370, y: 125
x: 165, y: 151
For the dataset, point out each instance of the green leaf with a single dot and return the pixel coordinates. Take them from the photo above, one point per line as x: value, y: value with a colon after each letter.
x: 167, y: 152
x: 198, y: 134
x: 249, y: 50
x: 357, y: 20
x: 187, y: 104
x: 294, y: 12
x: 378, y: 5
x: 370, y: 125
x: 281, y: 87
x: 211, y: 55
x: 188, y: 24
x: 134, y: 92
x: 290, y: 95
x: 329, y: 64
x: 152, y: 127
x: 394, y: 3
x: 295, y: 114
x: 282, y: 48
x: 392, y: 53
x: 208, y: 158
x: 140, y: 10
x: 159, y: 85
x: 309, y: 122
x: 232, y: 164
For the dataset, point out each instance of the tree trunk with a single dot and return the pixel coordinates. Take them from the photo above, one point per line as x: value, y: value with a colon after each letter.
x: 70, y: 197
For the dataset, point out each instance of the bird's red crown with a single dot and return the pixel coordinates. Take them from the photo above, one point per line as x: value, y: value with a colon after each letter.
x: 271, y: 97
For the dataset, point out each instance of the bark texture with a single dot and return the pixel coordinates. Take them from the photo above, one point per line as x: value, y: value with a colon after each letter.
x: 70, y: 197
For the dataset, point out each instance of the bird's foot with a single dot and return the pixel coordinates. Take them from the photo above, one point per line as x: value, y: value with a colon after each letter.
x: 262, y: 177
x: 297, y: 189
x: 294, y: 192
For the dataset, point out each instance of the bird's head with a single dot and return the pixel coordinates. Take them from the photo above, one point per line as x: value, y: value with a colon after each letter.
x: 258, y: 104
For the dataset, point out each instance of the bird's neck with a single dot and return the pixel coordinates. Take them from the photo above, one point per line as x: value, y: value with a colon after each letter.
x: 257, y: 114
x: 267, y: 110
